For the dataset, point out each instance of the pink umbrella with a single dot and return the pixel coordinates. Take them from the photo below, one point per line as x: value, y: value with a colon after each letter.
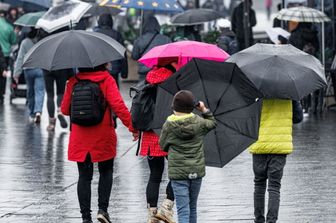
x: 184, y: 51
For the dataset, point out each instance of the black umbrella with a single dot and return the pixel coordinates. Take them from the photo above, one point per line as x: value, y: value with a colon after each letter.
x: 230, y: 96
x: 194, y: 17
x: 281, y: 71
x: 73, y: 49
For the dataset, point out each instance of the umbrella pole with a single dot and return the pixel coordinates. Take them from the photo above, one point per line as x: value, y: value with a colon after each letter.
x: 323, y: 36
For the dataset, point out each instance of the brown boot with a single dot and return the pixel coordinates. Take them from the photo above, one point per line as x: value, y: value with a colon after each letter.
x: 52, y: 124
x: 151, y: 216
x: 166, y: 212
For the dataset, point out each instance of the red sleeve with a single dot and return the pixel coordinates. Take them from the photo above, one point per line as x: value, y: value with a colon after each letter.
x: 65, y: 106
x: 117, y: 104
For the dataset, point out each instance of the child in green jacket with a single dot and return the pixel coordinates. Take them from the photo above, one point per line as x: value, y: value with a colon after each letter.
x: 182, y: 137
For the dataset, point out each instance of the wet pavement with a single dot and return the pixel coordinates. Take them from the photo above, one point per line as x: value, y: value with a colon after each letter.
x: 38, y: 184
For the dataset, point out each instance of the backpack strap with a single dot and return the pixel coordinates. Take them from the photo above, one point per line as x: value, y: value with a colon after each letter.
x: 149, y: 43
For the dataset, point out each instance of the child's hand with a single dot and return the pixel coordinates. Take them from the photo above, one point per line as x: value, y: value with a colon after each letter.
x: 201, y: 107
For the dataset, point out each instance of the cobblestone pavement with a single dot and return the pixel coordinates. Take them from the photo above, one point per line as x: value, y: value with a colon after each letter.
x: 38, y: 184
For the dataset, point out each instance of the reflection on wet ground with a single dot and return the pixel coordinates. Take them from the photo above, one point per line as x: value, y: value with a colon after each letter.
x: 38, y: 184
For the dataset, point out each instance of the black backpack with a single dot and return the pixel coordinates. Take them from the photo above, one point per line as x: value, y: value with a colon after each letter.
x: 143, y: 105
x: 88, y: 104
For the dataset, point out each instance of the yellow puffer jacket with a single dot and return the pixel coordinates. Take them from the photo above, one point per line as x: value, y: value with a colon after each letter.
x: 275, y: 133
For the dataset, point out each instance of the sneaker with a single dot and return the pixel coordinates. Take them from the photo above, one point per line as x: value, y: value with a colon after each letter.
x: 31, y: 119
x: 63, y: 122
x: 37, y: 118
x: 103, y: 216
x: 51, y: 126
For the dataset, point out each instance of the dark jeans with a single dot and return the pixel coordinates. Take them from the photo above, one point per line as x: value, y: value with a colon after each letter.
x: 3, y: 80
x: 267, y: 167
x: 85, y: 170
x: 156, y: 166
x: 60, y: 77
x: 2, y: 85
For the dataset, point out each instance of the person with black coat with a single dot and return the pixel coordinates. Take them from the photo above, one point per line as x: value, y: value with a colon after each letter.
x: 149, y: 38
x: 2, y: 69
x: 105, y: 26
x: 305, y: 38
x: 237, y: 21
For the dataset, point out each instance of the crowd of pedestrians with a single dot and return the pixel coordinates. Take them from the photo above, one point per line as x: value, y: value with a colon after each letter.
x: 181, y: 139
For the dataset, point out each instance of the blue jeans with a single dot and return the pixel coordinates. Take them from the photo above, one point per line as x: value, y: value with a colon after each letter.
x: 35, y: 90
x: 186, y: 194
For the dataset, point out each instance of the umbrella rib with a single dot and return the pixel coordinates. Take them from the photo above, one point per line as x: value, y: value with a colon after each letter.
x: 227, y: 88
x: 230, y: 126
x: 205, y: 94
x: 201, y: 77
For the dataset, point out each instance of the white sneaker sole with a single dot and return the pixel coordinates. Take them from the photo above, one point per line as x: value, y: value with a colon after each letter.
x: 102, y: 219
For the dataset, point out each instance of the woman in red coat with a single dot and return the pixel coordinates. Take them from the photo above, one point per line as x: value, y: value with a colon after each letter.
x: 88, y: 145
x: 156, y: 157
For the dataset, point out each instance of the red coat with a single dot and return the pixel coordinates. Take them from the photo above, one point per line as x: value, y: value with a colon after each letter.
x: 99, y: 140
x: 149, y: 140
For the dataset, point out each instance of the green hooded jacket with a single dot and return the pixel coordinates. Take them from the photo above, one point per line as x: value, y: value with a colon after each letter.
x: 182, y: 137
x: 7, y: 36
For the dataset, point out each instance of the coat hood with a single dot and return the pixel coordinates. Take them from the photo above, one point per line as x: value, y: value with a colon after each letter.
x: 96, y: 76
x: 105, y: 21
x: 151, y: 25
x: 184, y: 127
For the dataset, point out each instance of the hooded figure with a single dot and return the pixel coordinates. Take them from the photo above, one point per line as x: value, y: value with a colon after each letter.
x: 150, y: 38
x: 105, y: 26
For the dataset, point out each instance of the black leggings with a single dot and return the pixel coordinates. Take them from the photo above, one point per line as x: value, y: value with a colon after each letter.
x: 85, y: 170
x: 60, y: 77
x: 156, y: 166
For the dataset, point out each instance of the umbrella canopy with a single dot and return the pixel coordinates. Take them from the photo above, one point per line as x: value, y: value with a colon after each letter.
x: 231, y: 97
x: 30, y: 5
x: 4, y: 6
x: 63, y: 15
x: 29, y: 19
x: 281, y: 71
x: 302, y: 14
x: 194, y: 17
x: 97, y: 10
x: 184, y: 51
x: 275, y: 32
x: 73, y: 49
x: 157, y: 5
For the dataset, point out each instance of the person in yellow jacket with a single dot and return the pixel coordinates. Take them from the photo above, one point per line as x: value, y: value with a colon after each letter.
x: 270, y: 152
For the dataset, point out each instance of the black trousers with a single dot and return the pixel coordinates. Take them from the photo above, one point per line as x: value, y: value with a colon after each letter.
x: 85, y: 170
x: 59, y: 77
x: 156, y: 166
x: 3, y: 79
